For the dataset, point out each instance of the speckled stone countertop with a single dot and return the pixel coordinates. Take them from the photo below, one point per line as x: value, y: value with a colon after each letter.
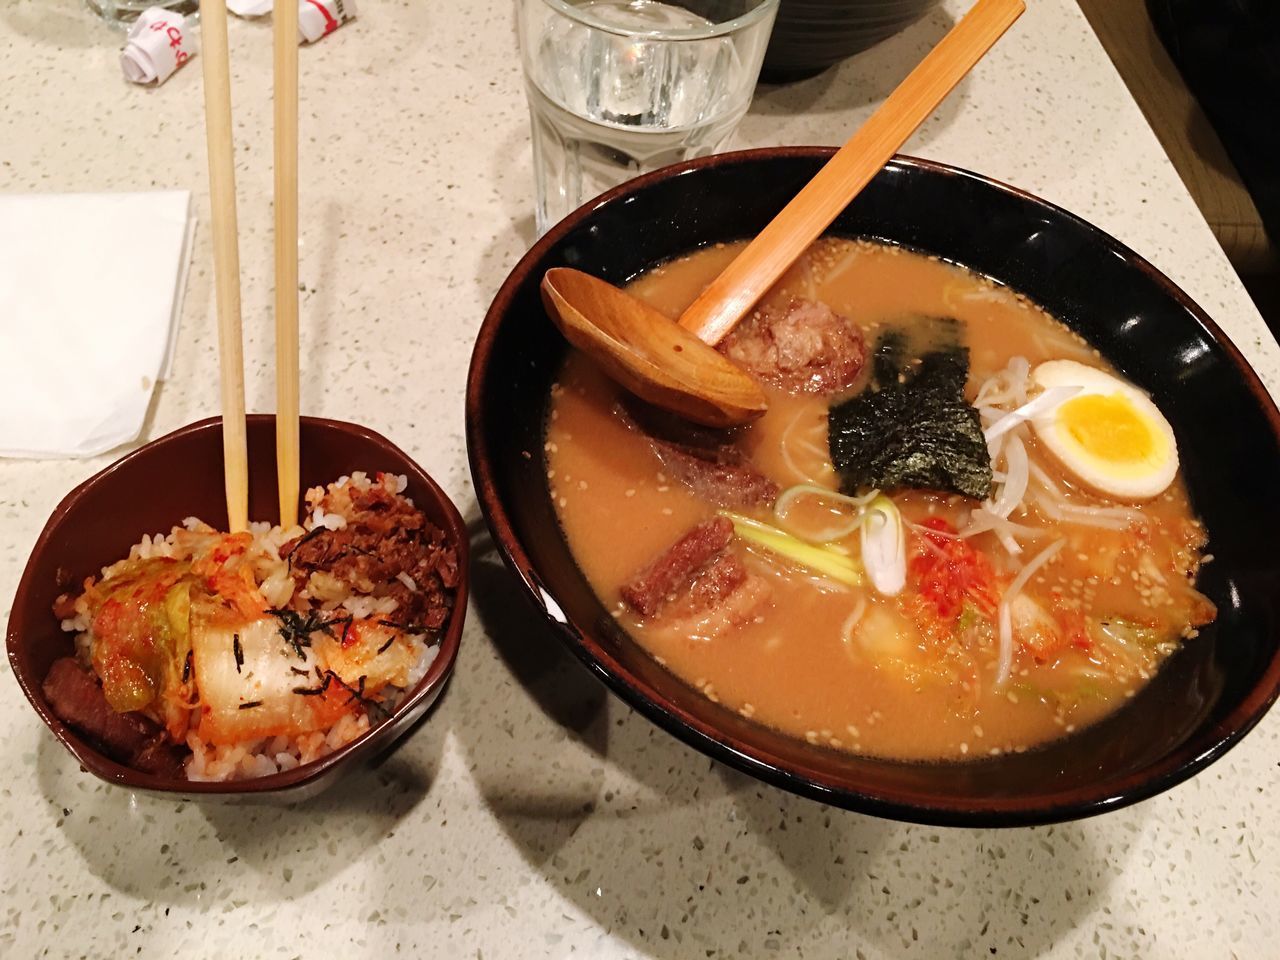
x: 535, y: 815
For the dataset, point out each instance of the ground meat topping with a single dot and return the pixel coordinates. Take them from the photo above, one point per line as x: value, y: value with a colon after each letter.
x: 386, y: 540
x: 805, y: 348
x: 676, y: 566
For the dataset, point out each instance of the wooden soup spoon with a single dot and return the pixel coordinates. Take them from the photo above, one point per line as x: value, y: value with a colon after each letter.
x: 674, y: 365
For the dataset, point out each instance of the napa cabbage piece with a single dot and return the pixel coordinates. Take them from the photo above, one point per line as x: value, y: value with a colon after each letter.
x: 253, y: 683
x: 173, y: 706
x: 911, y: 427
x: 367, y: 654
x: 139, y: 630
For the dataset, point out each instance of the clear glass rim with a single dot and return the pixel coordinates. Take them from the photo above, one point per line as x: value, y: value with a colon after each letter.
x: 580, y: 14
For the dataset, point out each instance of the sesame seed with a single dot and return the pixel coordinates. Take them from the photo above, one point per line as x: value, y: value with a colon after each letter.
x: 631, y: 492
x: 853, y: 731
x: 563, y: 501
x: 964, y: 748
x: 667, y: 510
x: 582, y: 484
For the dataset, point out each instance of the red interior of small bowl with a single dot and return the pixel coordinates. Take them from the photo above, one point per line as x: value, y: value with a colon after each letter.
x: 154, y: 488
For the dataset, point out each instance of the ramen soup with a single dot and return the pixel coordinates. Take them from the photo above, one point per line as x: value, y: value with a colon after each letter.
x: 956, y: 532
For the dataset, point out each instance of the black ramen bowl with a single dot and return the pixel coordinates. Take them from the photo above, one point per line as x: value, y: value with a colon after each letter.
x: 1205, y: 697
x: 152, y: 489
x: 811, y: 35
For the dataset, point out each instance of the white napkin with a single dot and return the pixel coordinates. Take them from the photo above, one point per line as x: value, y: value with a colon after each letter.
x: 159, y: 42
x: 249, y: 8
x: 319, y: 18
x: 316, y: 18
x: 91, y: 288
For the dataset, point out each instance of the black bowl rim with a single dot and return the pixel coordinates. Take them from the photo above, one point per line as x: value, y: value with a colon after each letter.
x: 937, y: 810
x: 374, y: 739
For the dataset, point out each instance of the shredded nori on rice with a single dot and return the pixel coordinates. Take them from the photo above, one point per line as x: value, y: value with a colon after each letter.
x: 911, y: 427
x: 346, y: 628
x: 328, y: 677
x: 297, y: 629
x: 414, y: 629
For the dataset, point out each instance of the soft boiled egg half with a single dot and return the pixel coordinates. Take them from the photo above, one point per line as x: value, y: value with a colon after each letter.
x: 1108, y: 433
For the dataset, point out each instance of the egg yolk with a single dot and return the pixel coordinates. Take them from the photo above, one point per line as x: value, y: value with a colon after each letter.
x: 1108, y: 427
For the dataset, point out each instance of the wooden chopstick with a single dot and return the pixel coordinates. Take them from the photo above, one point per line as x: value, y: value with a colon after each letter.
x: 285, y: 28
x: 811, y: 211
x: 226, y: 258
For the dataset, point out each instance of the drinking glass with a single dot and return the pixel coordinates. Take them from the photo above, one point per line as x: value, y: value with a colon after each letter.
x: 620, y: 87
x: 124, y: 12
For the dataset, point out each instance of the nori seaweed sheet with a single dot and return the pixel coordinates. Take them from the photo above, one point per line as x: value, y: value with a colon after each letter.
x: 911, y: 426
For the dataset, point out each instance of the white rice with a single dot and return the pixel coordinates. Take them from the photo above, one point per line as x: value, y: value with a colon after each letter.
x: 261, y: 758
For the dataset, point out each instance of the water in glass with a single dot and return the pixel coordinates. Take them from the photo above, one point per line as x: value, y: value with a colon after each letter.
x: 606, y: 106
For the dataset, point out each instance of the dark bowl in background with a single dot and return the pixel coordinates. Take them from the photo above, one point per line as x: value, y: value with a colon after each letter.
x: 1207, y: 696
x: 155, y: 487
x: 811, y: 35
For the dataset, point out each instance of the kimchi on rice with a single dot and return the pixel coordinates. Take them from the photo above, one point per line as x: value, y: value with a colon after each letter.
x: 221, y: 656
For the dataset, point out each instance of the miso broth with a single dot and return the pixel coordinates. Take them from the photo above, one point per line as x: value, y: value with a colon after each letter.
x: 840, y: 664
